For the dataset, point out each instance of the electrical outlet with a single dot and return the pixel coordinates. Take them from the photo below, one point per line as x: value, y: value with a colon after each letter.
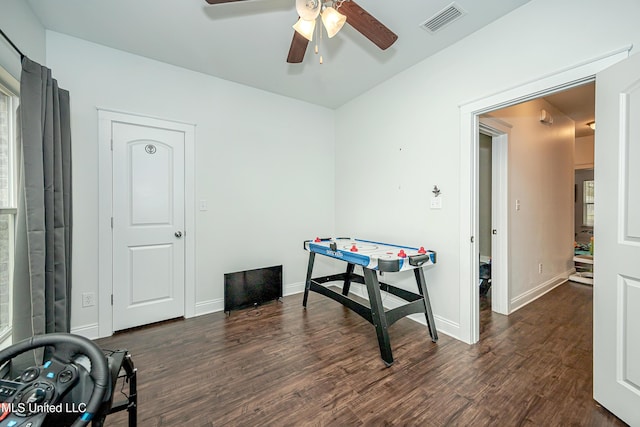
x: 88, y: 299
x: 540, y: 268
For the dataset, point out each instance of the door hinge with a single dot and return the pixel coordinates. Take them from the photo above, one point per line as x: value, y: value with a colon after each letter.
x: 111, y: 222
x: 111, y: 144
x: 471, y: 239
x: 111, y: 299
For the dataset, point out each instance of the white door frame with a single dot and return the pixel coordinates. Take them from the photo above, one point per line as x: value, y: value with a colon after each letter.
x: 105, y: 209
x: 469, y: 143
x: 499, y: 133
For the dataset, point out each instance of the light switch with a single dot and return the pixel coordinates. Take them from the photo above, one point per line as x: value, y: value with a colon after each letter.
x: 436, y: 203
x: 203, y: 205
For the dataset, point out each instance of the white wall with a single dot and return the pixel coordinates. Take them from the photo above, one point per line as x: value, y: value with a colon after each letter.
x: 263, y: 163
x: 584, y: 152
x: 541, y: 180
x: 24, y: 29
x: 383, y: 192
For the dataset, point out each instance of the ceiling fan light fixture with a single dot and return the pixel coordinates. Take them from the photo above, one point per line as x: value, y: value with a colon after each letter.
x: 305, y: 28
x: 308, y: 9
x: 333, y: 21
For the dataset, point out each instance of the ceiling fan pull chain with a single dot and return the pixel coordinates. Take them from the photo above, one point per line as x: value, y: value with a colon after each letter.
x: 318, y: 31
x: 320, y: 39
x: 317, y: 37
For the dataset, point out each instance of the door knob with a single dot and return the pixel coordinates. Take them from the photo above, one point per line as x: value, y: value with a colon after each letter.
x: 178, y: 234
x: 494, y: 231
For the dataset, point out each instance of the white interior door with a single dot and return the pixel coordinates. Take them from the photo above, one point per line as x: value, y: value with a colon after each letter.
x: 499, y: 132
x: 616, y: 289
x: 499, y: 225
x: 148, y: 224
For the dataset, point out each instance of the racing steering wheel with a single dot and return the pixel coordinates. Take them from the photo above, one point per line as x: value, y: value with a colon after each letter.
x: 39, y: 392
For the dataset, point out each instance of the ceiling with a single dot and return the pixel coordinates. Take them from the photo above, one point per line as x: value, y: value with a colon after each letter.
x: 248, y: 41
x: 579, y: 104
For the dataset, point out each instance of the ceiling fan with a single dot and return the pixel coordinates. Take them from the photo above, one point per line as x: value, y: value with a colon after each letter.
x: 355, y: 16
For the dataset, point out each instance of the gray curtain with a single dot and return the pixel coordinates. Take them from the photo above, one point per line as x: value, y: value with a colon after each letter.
x: 42, y: 275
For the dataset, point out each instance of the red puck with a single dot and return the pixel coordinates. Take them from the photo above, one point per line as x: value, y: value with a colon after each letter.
x: 5, y: 410
x: 354, y: 248
x: 317, y: 240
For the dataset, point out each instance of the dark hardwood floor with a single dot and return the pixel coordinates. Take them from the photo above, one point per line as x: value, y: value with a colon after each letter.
x: 281, y: 365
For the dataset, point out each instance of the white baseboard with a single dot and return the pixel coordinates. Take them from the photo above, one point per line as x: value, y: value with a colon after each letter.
x: 90, y: 331
x: 535, y: 293
x: 389, y: 301
x: 209, y: 306
x: 215, y: 305
x: 293, y: 288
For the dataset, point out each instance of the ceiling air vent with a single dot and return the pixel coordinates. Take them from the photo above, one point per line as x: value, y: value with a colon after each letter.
x: 443, y: 18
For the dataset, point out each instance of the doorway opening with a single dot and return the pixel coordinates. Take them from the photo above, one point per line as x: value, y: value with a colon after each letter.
x: 531, y: 215
x: 469, y: 326
x: 485, y: 212
x: 493, y: 180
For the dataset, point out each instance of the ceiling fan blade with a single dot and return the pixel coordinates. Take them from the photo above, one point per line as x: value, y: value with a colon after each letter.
x: 367, y: 25
x: 297, y: 49
x: 221, y: 1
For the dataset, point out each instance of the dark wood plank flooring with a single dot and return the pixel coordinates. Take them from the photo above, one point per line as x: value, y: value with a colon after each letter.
x: 281, y: 365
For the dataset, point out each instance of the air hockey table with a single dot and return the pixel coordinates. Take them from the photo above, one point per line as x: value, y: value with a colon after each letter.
x: 373, y: 257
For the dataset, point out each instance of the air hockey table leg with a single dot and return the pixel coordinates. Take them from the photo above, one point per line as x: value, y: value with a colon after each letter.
x: 347, y: 279
x: 307, y: 285
x: 378, y: 315
x: 422, y: 287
